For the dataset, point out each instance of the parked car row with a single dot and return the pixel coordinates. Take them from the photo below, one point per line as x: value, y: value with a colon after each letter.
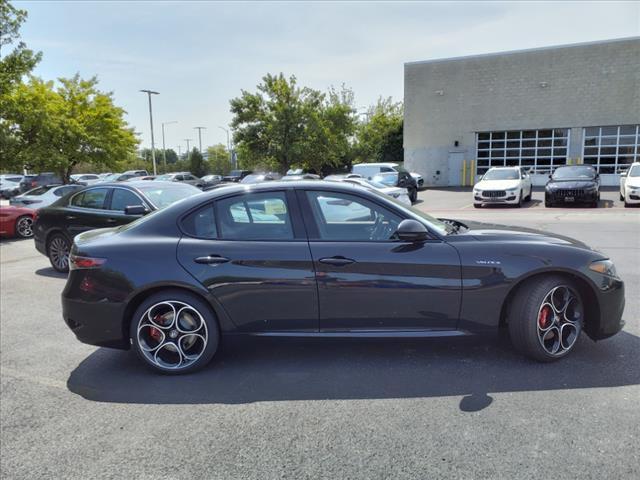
x: 571, y: 184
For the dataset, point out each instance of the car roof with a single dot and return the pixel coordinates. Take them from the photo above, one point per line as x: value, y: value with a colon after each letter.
x: 381, y: 164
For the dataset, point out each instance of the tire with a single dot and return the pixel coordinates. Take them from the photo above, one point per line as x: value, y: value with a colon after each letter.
x: 546, y: 318
x: 621, y: 198
x: 519, y: 204
x: 548, y: 203
x: 627, y: 204
x: 155, y: 336
x: 58, y: 248
x: 413, y: 196
x: 24, y: 226
x: 528, y: 197
x: 477, y: 205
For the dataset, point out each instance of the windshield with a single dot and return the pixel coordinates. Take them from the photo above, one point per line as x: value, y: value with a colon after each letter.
x: 574, y: 172
x: 166, y: 176
x: 111, y: 178
x: 501, y: 174
x: 635, y: 171
x: 164, y: 195
x: 438, y: 225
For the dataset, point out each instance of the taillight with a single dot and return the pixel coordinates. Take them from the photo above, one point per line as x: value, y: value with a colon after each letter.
x: 76, y: 262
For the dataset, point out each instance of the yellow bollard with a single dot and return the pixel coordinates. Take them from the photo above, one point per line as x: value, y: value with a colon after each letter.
x: 464, y: 173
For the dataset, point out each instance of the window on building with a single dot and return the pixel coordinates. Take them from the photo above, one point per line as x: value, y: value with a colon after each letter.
x: 538, y: 150
x: 611, y: 149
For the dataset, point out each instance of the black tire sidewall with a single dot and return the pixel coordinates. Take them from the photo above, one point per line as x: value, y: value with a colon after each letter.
x: 213, y: 330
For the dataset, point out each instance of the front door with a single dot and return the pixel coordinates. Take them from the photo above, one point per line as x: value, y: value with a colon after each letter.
x: 251, y: 253
x: 366, y: 280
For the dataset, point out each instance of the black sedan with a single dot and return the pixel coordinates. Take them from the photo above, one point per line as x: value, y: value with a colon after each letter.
x: 327, y: 259
x: 573, y: 184
x: 98, y: 206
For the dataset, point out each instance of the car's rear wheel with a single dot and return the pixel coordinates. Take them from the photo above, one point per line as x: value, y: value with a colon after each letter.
x: 546, y: 318
x: 24, y: 226
x: 413, y: 195
x: 174, y: 332
x: 58, y: 249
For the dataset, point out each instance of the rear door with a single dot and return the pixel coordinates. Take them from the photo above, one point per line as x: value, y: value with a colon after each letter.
x: 369, y: 282
x: 88, y: 210
x: 251, y: 252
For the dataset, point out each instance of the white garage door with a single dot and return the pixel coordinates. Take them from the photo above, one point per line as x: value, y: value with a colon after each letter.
x: 611, y: 150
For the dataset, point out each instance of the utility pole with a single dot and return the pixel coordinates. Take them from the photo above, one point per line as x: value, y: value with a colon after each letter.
x: 200, y: 136
x: 228, y: 146
x: 179, y: 151
x: 164, y: 150
x: 153, y: 145
x: 188, y: 140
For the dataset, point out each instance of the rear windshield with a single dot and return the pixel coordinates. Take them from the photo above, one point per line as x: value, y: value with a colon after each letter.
x: 39, y: 191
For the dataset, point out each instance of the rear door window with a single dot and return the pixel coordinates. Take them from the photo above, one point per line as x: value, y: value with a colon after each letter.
x: 94, y: 198
x: 201, y: 223
x: 257, y: 216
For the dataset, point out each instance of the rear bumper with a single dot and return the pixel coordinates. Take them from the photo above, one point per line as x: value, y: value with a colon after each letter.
x: 94, y: 323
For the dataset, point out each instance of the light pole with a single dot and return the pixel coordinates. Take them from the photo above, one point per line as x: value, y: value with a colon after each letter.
x: 164, y: 150
x: 188, y: 140
x: 200, y: 136
x: 228, y: 145
x: 153, y: 145
x: 179, y: 151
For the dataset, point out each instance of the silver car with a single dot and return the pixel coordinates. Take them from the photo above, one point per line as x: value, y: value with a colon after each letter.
x: 43, y: 196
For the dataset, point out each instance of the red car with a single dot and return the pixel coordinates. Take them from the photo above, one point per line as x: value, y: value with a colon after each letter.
x: 16, y: 221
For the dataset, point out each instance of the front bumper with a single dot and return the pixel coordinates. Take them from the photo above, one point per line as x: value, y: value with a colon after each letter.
x: 631, y: 197
x: 554, y: 196
x: 611, y: 302
x: 511, y: 198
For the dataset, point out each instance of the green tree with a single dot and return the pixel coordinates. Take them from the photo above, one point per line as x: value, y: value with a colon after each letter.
x: 379, y: 139
x: 59, y: 128
x: 284, y: 125
x: 197, y: 165
x: 20, y: 60
x: 218, y: 159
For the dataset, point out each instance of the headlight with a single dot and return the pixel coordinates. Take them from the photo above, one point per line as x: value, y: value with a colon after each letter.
x: 605, y: 267
x: 477, y: 192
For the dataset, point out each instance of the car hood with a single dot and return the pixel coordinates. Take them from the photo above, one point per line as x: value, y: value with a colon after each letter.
x: 505, y: 233
x: 394, y: 191
x: 571, y: 183
x: 633, y: 182
x: 497, y: 184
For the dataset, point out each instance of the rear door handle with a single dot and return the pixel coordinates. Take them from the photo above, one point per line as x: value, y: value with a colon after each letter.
x: 111, y: 220
x: 211, y: 260
x: 70, y: 217
x: 336, y: 261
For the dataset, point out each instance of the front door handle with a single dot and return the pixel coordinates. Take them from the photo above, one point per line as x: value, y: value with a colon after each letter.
x: 111, y: 220
x: 211, y: 259
x: 336, y: 261
x: 70, y: 217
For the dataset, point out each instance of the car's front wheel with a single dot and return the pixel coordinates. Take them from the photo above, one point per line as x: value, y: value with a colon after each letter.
x: 174, y: 332
x: 546, y: 318
x: 413, y: 195
x: 58, y: 248
x: 24, y: 226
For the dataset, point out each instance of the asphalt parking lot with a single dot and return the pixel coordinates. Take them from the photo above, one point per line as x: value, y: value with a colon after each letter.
x: 463, y: 408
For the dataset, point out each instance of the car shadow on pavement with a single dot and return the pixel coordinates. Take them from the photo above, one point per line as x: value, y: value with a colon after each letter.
x: 268, y: 369
x: 528, y: 204
x: 50, y: 272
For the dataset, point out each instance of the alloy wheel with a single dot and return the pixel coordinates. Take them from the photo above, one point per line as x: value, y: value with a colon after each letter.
x: 172, y: 335
x: 24, y: 227
x: 59, y: 253
x: 559, y: 321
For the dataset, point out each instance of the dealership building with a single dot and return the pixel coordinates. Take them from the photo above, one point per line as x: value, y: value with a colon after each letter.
x: 538, y: 108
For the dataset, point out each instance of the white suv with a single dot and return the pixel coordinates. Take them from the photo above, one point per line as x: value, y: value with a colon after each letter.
x: 503, y: 185
x: 630, y: 185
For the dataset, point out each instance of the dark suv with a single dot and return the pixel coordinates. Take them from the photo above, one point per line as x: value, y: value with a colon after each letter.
x: 47, y: 178
x: 236, y: 175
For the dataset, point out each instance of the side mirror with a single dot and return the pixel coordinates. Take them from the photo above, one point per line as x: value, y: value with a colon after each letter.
x: 411, y: 231
x: 550, y: 175
x: 135, y: 210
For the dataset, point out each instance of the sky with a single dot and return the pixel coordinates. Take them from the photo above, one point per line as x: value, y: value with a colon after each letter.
x: 201, y: 54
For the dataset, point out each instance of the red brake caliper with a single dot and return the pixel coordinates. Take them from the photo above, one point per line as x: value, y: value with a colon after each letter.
x: 543, y: 317
x: 153, y: 331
